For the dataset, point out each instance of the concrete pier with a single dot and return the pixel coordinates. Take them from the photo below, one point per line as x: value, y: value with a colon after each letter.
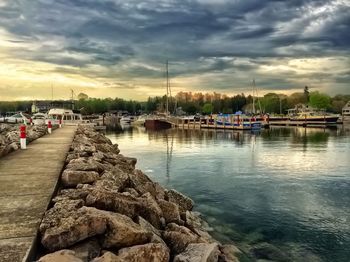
x: 28, y: 179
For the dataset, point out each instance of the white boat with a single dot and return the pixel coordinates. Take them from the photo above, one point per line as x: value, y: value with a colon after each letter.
x: 39, y: 119
x: 16, y: 118
x: 309, y: 115
x: 127, y: 119
x: 67, y: 116
x: 346, y: 112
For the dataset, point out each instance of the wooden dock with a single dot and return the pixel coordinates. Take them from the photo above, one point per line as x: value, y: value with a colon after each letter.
x: 28, y: 179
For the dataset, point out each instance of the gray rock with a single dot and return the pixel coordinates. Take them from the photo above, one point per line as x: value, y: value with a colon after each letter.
x: 178, y: 237
x: 229, y: 253
x: 87, y: 250
x: 76, y: 226
x: 74, y: 177
x: 123, y: 232
x: 108, y: 257
x: 170, y: 211
x: 184, y: 202
x: 64, y: 255
x: 145, y: 253
x: 200, y: 252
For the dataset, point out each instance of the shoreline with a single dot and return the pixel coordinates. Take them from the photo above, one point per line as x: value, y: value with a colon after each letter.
x: 106, y: 210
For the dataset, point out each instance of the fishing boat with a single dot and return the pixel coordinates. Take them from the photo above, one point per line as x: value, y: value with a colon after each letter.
x: 346, y: 112
x: 309, y: 115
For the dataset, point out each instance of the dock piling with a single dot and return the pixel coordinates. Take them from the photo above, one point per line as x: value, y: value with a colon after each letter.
x: 23, y: 137
x: 49, y: 127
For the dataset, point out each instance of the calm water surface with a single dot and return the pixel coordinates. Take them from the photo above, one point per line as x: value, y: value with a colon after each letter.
x: 288, y: 187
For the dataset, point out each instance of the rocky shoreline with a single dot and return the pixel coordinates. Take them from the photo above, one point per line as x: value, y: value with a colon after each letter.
x: 9, y: 136
x: 106, y: 210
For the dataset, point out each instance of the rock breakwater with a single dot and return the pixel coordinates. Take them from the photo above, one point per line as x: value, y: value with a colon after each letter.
x: 9, y: 136
x: 106, y: 210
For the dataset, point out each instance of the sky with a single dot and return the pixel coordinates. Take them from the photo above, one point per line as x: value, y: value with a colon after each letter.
x: 119, y: 48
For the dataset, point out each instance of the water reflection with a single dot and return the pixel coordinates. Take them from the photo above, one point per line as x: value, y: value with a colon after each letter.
x: 288, y: 187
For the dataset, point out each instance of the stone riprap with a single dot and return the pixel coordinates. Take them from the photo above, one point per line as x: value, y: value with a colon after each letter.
x: 106, y: 210
x: 9, y: 136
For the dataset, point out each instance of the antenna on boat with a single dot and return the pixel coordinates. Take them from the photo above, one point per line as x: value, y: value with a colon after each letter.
x: 253, y: 96
x: 72, y: 98
x: 255, y: 91
x: 51, y: 92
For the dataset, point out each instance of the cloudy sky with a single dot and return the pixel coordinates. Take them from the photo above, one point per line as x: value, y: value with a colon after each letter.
x: 109, y: 48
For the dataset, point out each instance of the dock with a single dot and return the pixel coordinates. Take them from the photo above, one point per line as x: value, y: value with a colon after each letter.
x: 28, y: 180
x: 205, y: 124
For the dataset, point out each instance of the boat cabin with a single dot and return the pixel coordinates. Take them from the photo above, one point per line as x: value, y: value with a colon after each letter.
x: 67, y: 116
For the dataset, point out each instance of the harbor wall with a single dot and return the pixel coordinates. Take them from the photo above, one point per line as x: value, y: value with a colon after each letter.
x: 107, y: 210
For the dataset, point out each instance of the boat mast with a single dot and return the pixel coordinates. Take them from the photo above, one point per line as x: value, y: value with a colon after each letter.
x: 253, y: 96
x: 167, y: 89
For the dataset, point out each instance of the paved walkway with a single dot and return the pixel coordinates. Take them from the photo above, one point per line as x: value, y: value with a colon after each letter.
x: 28, y: 179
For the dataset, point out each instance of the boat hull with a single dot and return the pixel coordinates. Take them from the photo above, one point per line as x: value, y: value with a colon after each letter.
x: 157, y: 124
x: 326, y: 119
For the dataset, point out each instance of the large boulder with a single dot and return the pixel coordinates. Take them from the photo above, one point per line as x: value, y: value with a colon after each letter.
x: 178, y: 237
x: 170, y: 211
x: 118, y: 177
x: 150, y: 210
x: 73, y: 177
x: 145, y: 253
x: 185, y: 203
x: 229, y: 253
x: 108, y: 257
x: 201, y: 252
x: 113, y: 201
x: 71, y: 228
x: 87, y: 250
x: 64, y: 255
x: 84, y: 164
x: 123, y: 232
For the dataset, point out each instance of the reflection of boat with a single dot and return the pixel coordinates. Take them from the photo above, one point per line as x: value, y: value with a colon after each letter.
x: 238, y: 121
x: 346, y: 112
x: 308, y: 115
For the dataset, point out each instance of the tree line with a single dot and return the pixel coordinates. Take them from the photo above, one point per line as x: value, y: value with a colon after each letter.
x: 207, y: 103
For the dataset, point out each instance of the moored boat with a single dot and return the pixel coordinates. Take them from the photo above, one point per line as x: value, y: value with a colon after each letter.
x: 309, y: 115
x: 65, y: 116
x: 238, y: 121
x: 346, y: 113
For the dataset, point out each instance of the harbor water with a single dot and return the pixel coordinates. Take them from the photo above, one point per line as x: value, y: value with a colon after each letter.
x: 282, y: 194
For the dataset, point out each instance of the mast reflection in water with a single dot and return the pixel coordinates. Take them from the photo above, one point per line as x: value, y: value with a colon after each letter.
x: 284, y: 192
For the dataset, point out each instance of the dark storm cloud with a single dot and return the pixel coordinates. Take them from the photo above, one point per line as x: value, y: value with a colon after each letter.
x: 199, y: 36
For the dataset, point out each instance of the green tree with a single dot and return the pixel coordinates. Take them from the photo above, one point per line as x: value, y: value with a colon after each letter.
x: 207, y: 108
x: 319, y: 100
x: 83, y: 96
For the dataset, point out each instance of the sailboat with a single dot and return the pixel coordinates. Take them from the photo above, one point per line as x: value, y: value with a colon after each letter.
x: 161, y: 122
